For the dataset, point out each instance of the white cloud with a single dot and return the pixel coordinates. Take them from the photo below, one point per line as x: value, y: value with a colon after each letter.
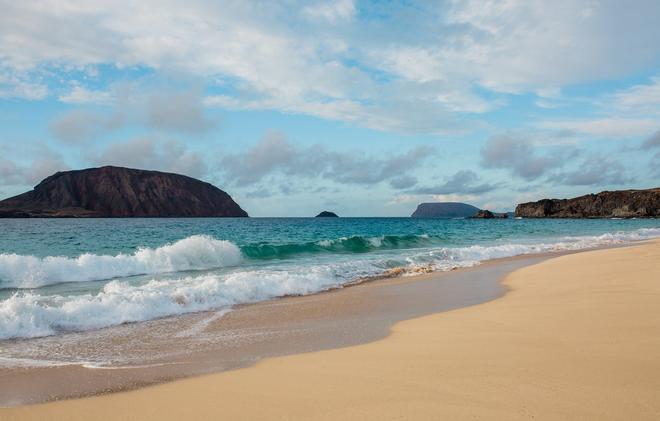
x: 605, y: 127
x: 181, y: 111
x: 595, y: 170
x: 639, y: 98
x: 520, y: 157
x: 652, y: 142
x: 163, y: 110
x: 153, y: 154
x: 331, y: 11
x: 625, y: 113
x: 403, y: 182
x: 9, y: 172
x: 543, y: 103
x: 44, y: 166
x: 412, y: 63
x: 28, y: 173
x: 462, y: 182
x: 13, y: 84
x: 79, y: 126
x: 365, y: 71
x: 525, y: 45
x: 467, y: 198
x: 401, y: 115
x: 275, y: 156
x: 79, y: 94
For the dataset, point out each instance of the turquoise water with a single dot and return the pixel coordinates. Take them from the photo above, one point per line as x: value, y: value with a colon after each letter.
x: 69, y: 275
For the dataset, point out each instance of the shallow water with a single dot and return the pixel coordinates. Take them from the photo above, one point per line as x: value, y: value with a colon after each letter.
x: 59, y: 276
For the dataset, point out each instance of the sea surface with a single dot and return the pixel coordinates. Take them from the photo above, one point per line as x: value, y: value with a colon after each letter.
x: 67, y: 275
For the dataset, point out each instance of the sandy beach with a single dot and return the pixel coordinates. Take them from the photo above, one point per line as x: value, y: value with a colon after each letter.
x: 329, y: 210
x: 576, y: 337
x: 171, y: 348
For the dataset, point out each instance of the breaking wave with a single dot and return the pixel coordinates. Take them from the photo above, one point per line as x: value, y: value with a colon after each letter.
x: 197, y: 252
x: 29, y: 314
x: 352, y: 244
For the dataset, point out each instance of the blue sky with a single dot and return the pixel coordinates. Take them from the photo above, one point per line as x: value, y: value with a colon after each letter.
x: 363, y: 108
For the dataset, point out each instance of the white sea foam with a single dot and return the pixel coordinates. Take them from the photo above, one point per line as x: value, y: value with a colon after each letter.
x: 12, y: 362
x: 447, y: 258
x: 29, y: 314
x: 192, y: 253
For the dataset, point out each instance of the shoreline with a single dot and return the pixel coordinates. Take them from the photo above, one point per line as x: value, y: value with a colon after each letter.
x: 356, y: 314
x: 575, y: 337
x: 298, y: 324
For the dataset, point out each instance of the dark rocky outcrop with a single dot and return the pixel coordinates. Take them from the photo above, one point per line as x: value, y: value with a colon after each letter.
x: 607, y: 204
x: 327, y: 214
x: 445, y: 210
x: 486, y: 214
x: 121, y: 192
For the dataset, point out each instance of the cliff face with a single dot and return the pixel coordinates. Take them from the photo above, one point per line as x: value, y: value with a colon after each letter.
x: 120, y: 192
x: 607, y: 204
x: 444, y: 210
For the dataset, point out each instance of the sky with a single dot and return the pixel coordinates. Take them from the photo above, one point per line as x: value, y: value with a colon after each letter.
x: 363, y: 108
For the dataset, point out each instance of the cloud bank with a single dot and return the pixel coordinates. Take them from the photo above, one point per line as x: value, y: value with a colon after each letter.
x: 275, y: 155
x: 464, y: 182
x: 520, y: 157
x: 334, y: 59
x: 153, y: 154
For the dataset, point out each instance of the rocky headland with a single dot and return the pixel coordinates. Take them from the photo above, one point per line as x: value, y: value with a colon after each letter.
x: 606, y: 204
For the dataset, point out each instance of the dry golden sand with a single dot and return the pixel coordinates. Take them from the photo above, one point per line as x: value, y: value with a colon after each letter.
x: 577, y: 337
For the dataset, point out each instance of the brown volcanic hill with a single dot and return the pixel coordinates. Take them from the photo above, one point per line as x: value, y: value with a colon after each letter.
x: 607, y: 204
x: 120, y: 192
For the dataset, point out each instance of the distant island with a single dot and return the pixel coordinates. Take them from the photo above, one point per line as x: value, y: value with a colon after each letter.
x: 327, y: 214
x: 120, y: 192
x: 606, y: 204
x: 445, y: 210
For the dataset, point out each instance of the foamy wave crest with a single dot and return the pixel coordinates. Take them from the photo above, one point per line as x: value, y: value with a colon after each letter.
x: 28, y: 315
x: 192, y: 253
x: 448, y: 258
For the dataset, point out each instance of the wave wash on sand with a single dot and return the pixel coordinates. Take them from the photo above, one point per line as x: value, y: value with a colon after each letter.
x: 30, y: 314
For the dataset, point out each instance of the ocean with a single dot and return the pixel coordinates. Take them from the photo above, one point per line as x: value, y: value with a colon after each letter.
x: 68, y: 275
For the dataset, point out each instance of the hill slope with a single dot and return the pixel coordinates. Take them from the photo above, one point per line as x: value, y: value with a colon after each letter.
x: 120, y: 192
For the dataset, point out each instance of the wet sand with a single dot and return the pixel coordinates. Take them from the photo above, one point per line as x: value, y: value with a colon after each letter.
x: 143, y: 354
x: 576, y: 337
